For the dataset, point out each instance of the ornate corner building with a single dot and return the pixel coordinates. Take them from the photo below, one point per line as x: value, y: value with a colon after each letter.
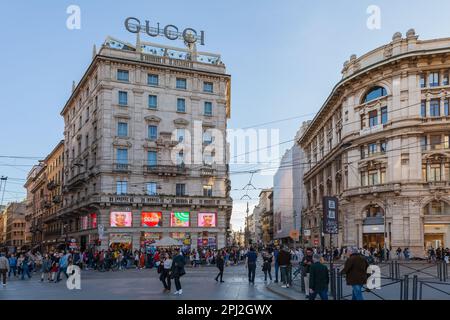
x: 381, y: 144
x: 130, y: 173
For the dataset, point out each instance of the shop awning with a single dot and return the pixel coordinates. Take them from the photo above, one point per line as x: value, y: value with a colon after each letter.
x: 167, y: 242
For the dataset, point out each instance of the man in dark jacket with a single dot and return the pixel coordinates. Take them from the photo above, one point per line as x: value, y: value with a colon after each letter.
x: 355, y: 270
x: 284, y: 261
x: 251, y: 265
x: 220, y: 263
x: 318, y: 279
x: 178, y: 270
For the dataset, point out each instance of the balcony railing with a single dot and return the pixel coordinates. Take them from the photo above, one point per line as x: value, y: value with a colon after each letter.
x: 207, y: 172
x: 370, y: 130
x: 165, y: 170
x: 121, y: 167
x: 372, y: 189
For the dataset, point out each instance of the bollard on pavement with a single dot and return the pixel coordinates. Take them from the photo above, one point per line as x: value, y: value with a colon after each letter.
x: 406, y: 287
x: 414, y: 292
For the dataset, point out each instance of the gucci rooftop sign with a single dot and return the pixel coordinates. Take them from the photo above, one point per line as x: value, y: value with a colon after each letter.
x: 170, y: 31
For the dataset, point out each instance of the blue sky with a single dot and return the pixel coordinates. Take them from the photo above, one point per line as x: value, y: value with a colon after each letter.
x: 284, y: 57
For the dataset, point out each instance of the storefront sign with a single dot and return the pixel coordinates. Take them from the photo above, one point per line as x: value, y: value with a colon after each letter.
x: 93, y: 220
x: 121, y: 219
x: 151, y: 219
x: 330, y: 215
x: 207, y: 220
x: 119, y: 238
x: 170, y: 31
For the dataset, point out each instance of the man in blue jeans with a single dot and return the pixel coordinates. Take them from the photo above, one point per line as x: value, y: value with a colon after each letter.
x: 277, y: 267
x: 12, y: 265
x: 355, y: 270
x: 251, y: 265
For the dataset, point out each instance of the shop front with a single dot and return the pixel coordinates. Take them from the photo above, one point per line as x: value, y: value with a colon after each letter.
x: 148, y: 239
x: 184, y: 238
x: 119, y: 241
x: 206, y: 240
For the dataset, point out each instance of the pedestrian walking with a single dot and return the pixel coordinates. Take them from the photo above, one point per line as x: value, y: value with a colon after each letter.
x: 4, y: 268
x: 251, y: 265
x: 307, y: 262
x: 12, y: 265
x: 284, y: 261
x: 178, y: 270
x: 267, y: 264
x: 318, y: 279
x: 46, y: 267
x: 25, y: 268
x: 164, y: 269
x: 277, y: 267
x: 355, y: 270
x: 220, y: 263
x: 63, y: 264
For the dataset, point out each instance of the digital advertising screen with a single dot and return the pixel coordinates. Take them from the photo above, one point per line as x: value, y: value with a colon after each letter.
x: 151, y: 219
x: 207, y: 220
x: 179, y: 219
x: 121, y: 219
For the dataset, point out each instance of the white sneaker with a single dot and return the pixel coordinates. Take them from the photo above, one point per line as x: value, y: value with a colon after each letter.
x: 284, y: 286
x: 180, y: 292
x: 176, y: 292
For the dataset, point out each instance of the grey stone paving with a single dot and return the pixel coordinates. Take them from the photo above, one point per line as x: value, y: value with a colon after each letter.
x: 198, y: 283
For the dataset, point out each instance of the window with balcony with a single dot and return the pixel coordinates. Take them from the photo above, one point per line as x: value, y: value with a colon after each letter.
x: 123, y: 75
x: 208, y: 87
x: 373, y: 178
x: 180, y: 190
x: 372, y: 149
x: 152, y: 79
x: 435, y: 172
x: 375, y: 93
x: 122, y: 156
x: 207, y: 109
x: 207, y: 191
x: 152, y: 158
x: 122, y: 129
x: 181, y: 83
x: 152, y: 102
x: 121, y: 187
x: 446, y: 110
x: 151, y: 189
x: 181, y: 105
x: 384, y: 115
x: 123, y: 98
x: 434, y: 108
x: 373, y: 118
x: 152, y: 132
x: 433, y: 79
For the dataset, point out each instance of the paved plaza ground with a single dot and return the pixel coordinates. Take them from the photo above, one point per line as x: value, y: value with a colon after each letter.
x: 199, y: 283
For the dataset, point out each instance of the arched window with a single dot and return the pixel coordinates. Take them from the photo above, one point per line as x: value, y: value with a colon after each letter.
x: 373, y: 211
x: 438, y: 208
x: 375, y: 93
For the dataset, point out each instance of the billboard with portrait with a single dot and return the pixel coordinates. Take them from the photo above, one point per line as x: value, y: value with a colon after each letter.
x: 207, y: 220
x: 151, y: 219
x: 121, y: 219
x: 179, y: 219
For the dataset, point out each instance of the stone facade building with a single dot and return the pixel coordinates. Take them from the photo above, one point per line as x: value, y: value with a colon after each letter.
x: 14, y: 225
x: 381, y: 144
x: 145, y: 152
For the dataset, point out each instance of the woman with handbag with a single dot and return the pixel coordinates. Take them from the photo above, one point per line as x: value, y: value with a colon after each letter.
x: 177, y: 270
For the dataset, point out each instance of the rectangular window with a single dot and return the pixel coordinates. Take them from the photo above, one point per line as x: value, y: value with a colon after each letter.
x: 180, y: 189
x: 207, y: 191
x: 446, y: 142
x: 151, y: 189
x: 207, y: 137
x: 181, y: 83
x: 435, y: 142
x: 383, y: 146
x: 434, y: 108
x: 152, y: 158
x: 153, y: 79
x: 423, y: 109
x: 384, y: 115
x: 373, y: 178
x: 445, y: 79
x: 363, y: 179
x: 180, y: 134
x: 363, y: 152
x: 123, y: 98
x: 180, y: 158
x: 208, y: 87
x: 433, y: 79
x: 446, y: 111
x: 122, y: 156
x: 372, y: 149
x: 208, y: 109
x: 121, y: 187
x: 435, y: 172
x: 424, y: 143
x: 152, y: 101
x: 181, y: 105
x: 152, y: 132
x: 423, y: 81
x: 373, y: 118
x: 122, y: 129
x: 123, y: 75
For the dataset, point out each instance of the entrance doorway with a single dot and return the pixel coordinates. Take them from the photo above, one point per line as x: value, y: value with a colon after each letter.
x: 373, y: 240
x: 435, y: 240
